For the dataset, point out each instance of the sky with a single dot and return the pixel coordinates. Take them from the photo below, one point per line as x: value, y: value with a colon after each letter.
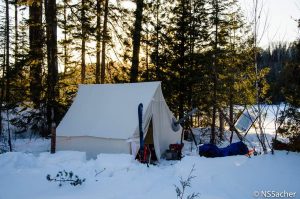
x: 279, y: 17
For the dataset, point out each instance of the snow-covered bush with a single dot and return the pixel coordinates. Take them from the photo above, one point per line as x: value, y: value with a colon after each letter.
x: 66, y: 177
x: 184, y: 184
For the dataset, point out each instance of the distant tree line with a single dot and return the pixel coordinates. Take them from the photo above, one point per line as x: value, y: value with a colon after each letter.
x: 283, y: 61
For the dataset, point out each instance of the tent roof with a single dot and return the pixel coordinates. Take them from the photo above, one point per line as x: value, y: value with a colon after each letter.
x: 107, y: 110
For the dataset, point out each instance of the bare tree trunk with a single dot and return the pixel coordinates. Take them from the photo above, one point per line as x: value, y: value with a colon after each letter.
x: 36, y: 51
x: 191, y: 63
x: 231, y: 115
x: 231, y: 86
x: 53, y: 132
x: 7, y: 90
x: 181, y: 60
x: 98, y: 41
x: 136, y: 40
x: 157, y: 68
x: 213, y: 126
x: 66, y: 58
x: 51, y: 28
x: 214, y: 100
x: 83, y: 41
x: 262, y: 135
x: 16, y: 32
x: 147, y: 54
x: 2, y: 93
x: 221, y: 120
x: 104, y: 41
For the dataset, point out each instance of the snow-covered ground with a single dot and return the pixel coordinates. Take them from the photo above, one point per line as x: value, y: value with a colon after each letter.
x: 23, y: 175
x: 34, y: 145
x: 113, y: 176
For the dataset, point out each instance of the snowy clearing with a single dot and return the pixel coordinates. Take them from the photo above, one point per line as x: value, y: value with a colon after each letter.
x: 113, y: 176
x: 34, y: 145
x: 23, y: 175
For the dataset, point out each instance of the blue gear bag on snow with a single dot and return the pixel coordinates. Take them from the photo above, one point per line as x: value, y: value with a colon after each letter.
x: 211, y: 150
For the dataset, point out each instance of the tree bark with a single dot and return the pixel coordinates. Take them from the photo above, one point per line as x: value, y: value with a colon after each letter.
x: 136, y: 40
x: 221, y: 120
x: 83, y: 41
x: 214, y: 100
x: 66, y: 58
x: 258, y: 89
x: 181, y: 60
x: 147, y: 55
x: 157, y: 68
x: 16, y: 32
x: 2, y: 92
x: 98, y: 41
x: 36, y: 51
x: 231, y: 115
x: 231, y: 86
x: 104, y: 40
x: 7, y: 90
x: 51, y: 28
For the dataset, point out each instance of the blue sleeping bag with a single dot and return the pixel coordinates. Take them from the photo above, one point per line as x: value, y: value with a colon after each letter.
x: 211, y: 150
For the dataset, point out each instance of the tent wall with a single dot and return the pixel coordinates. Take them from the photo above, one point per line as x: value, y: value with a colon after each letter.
x: 163, y: 135
x: 108, y: 131
x: 92, y: 145
x: 106, y: 110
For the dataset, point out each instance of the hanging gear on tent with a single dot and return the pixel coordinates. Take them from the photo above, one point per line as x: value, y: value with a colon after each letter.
x: 176, y: 124
x: 174, y: 151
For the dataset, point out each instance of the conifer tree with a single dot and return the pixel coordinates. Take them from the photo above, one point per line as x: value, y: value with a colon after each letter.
x: 104, y: 42
x: 136, y: 39
x: 83, y: 39
x: 52, y: 80
x: 7, y: 70
x: 36, y: 42
x: 98, y: 39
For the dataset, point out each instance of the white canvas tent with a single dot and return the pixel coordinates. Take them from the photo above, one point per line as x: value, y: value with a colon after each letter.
x: 104, y: 119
